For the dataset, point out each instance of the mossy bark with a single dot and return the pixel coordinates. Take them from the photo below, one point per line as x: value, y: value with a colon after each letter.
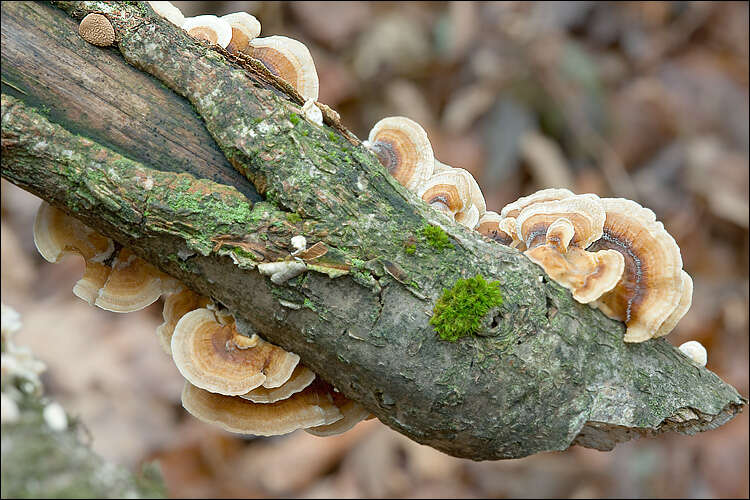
x: 543, y: 372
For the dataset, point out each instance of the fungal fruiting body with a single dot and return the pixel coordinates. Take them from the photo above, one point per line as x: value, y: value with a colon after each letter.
x: 651, y: 287
x: 97, y: 30
x: 210, y: 28
x: 288, y: 59
x: 168, y: 11
x: 402, y: 147
x: 695, y: 351
x: 244, y: 29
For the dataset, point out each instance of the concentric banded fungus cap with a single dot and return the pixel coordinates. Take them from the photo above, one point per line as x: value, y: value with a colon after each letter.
x: 468, y: 218
x: 311, y: 407
x: 475, y: 193
x: 176, y: 305
x: 585, y: 212
x: 352, y: 411
x: 682, y: 308
x: 288, y: 59
x: 651, y: 287
x: 132, y: 284
x: 552, y: 194
x: 97, y: 30
x: 301, y: 378
x: 244, y: 28
x: 404, y: 150
x: 210, y: 28
x: 168, y: 12
x: 217, y: 358
x: 587, y: 275
x: 489, y: 226
x: 446, y: 191
x: 56, y: 234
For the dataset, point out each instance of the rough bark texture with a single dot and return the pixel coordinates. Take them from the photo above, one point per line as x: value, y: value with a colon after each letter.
x: 545, y: 372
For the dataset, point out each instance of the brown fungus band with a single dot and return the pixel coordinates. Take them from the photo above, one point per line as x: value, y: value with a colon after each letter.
x: 651, y: 288
x: 288, y: 59
x: 404, y: 150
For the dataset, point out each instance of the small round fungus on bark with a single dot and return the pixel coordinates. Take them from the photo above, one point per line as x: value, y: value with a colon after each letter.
x: 402, y: 146
x: 97, y: 30
x: 215, y: 357
x: 460, y: 310
x: 245, y: 27
x: 209, y: 28
x: 695, y: 351
x: 290, y: 60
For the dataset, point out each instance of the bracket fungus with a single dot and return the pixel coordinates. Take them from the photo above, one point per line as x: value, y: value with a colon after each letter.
x: 352, y: 412
x: 310, y: 407
x: 245, y: 28
x: 402, y: 146
x: 489, y: 226
x: 132, y: 284
x: 56, y: 234
x: 301, y: 378
x: 176, y: 305
x: 290, y: 60
x: 168, y: 11
x: 446, y: 191
x: 97, y: 30
x: 651, y: 287
x: 209, y: 28
x: 215, y: 357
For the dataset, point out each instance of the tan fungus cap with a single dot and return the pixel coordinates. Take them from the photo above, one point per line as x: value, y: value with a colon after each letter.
x: 446, y: 191
x: 552, y: 194
x: 209, y: 28
x: 176, y: 305
x: 651, y: 287
x: 56, y: 234
x: 468, y: 218
x: 244, y: 28
x: 217, y: 358
x: 132, y: 284
x: 311, y: 407
x: 288, y: 59
x: 301, y: 378
x: 402, y: 147
x: 585, y: 212
x: 489, y: 226
x: 352, y: 411
x: 168, y: 11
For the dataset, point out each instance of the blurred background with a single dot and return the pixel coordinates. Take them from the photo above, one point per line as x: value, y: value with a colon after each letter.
x: 642, y: 100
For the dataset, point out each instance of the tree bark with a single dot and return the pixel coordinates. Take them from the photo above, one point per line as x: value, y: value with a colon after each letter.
x: 544, y: 372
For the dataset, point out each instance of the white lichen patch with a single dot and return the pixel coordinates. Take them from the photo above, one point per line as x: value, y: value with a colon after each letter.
x: 55, y: 417
x: 299, y: 243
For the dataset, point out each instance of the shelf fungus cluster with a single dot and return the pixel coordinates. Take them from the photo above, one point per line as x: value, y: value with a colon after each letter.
x: 284, y: 57
x: 403, y: 148
x: 611, y: 253
x: 243, y: 384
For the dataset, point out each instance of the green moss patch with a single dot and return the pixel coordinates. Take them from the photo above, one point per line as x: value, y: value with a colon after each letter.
x: 460, y: 310
x: 436, y: 237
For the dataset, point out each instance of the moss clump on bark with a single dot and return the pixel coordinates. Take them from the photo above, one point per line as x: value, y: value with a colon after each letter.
x: 460, y: 310
x: 436, y: 237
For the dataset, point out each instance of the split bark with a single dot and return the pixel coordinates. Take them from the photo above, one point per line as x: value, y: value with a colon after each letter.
x: 544, y: 373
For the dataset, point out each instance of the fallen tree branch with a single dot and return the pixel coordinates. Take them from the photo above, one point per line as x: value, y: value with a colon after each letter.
x: 544, y: 372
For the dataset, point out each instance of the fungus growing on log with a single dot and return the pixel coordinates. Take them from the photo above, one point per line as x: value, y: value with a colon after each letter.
x: 446, y: 191
x: 215, y: 357
x: 56, y: 234
x: 651, y: 287
x: 132, y: 284
x: 695, y: 351
x: 310, y: 407
x: 552, y: 194
x: 301, y: 378
x: 244, y: 29
x: 352, y: 412
x: 168, y: 11
x: 402, y: 147
x: 97, y: 30
x: 176, y: 305
x: 288, y: 59
x: 210, y: 28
